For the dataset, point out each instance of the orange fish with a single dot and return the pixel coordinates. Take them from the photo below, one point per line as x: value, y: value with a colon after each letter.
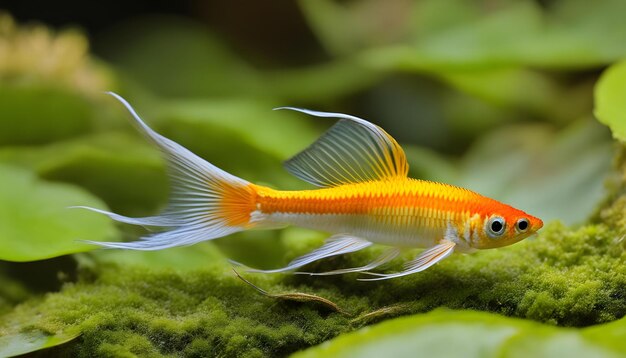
x: 365, y: 198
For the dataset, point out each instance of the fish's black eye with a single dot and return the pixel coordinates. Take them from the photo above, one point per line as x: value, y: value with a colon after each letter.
x: 522, y: 225
x: 496, y: 226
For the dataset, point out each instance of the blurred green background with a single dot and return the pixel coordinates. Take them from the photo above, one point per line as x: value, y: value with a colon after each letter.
x: 492, y: 95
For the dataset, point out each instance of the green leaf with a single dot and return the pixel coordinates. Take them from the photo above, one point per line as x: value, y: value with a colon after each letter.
x: 252, y: 120
x: 188, y: 61
x: 35, y: 222
x: 536, y: 169
x: 610, y: 98
x: 176, y: 57
x: 530, y: 166
x: 489, y: 50
x: 36, y: 114
x: 243, y: 137
x: 342, y: 28
x: 322, y: 82
x: 22, y: 343
x: 452, y: 35
x: 469, y: 334
x: 124, y: 170
x: 521, y: 89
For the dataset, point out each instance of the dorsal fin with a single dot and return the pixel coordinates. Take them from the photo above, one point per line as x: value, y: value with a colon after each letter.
x: 352, y: 151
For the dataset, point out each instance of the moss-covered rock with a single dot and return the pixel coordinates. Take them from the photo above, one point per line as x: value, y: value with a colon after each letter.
x: 205, y: 312
x: 563, y: 277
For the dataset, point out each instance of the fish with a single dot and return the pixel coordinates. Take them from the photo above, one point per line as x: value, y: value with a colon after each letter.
x: 363, y: 197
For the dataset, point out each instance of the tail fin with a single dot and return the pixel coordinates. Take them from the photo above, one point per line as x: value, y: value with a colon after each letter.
x: 206, y: 202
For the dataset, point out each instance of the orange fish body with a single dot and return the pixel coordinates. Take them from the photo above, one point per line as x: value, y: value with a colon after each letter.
x: 402, y: 212
x: 365, y: 197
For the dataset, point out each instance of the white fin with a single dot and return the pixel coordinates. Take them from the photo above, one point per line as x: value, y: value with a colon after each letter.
x: 196, y: 211
x: 353, y: 150
x: 335, y: 245
x: 425, y: 260
x: 380, y: 260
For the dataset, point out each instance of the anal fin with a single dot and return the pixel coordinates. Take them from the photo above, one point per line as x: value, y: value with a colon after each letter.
x: 425, y: 260
x: 387, y: 256
x: 335, y: 245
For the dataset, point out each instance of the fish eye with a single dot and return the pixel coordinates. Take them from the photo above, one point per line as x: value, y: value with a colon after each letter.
x: 495, y: 227
x: 522, y: 225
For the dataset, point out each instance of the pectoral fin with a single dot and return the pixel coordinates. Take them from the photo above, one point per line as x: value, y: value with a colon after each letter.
x: 425, y: 260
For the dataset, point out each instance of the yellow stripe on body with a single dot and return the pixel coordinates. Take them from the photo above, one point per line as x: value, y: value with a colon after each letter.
x: 400, y: 209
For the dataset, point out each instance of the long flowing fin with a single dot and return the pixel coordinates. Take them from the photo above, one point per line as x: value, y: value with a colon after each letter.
x: 353, y: 150
x: 206, y: 202
x: 425, y: 260
x: 335, y: 245
x: 386, y: 256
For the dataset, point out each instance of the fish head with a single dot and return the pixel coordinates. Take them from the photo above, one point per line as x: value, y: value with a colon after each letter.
x: 503, y: 225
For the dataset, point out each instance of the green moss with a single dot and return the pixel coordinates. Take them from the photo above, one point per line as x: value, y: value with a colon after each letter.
x: 136, y: 311
x: 563, y: 277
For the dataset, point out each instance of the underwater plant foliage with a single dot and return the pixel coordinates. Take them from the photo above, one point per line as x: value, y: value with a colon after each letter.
x: 500, y: 120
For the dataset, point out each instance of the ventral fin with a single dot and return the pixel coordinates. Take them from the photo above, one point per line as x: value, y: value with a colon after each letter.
x: 425, y: 260
x: 352, y: 151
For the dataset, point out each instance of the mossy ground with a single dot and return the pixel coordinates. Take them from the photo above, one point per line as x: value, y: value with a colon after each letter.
x: 563, y: 277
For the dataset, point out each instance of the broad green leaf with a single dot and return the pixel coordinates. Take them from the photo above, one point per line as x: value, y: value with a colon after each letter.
x: 552, y: 175
x: 252, y: 120
x: 470, y: 334
x: 454, y: 35
x: 35, y: 114
x: 188, y: 61
x: 179, y: 58
x: 488, y: 50
x: 421, y: 112
x: 124, y: 170
x: 610, y: 97
x: 35, y: 222
x: 320, y: 83
x: 244, y: 137
x: 533, y: 167
x: 23, y: 343
x: 522, y: 90
x: 344, y: 28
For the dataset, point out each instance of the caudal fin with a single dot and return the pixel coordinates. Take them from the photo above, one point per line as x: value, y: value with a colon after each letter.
x: 206, y: 202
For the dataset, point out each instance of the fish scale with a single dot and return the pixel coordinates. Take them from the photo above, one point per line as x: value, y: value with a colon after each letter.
x: 401, y: 211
